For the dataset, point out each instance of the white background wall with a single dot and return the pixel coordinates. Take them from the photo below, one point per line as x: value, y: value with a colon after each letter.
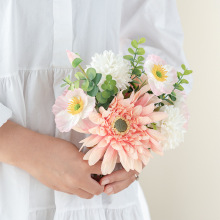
x: 185, y: 184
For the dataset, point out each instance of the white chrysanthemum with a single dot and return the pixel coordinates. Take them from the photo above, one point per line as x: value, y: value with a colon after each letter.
x: 172, y: 127
x: 115, y: 65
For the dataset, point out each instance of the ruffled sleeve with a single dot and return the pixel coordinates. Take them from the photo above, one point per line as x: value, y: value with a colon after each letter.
x: 5, y: 114
x: 159, y: 22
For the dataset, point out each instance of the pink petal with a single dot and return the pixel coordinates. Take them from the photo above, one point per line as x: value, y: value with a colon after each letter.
x: 156, y: 135
x: 91, y: 141
x: 109, y: 161
x: 157, y: 116
x: 71, y: 56
x: 83, y: 126
x: 96, y: 155
x: 148, y: 109
x: 138, y: 165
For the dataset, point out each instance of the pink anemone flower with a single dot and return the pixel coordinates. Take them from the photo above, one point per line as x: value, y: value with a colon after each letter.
x: 72, y: 107
x: 120, y: 132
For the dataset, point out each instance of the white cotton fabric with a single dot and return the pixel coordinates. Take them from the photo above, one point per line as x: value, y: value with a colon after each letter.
x: 34, y: 36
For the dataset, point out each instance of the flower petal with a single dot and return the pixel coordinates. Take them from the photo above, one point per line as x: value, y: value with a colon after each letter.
x: 109, y: 161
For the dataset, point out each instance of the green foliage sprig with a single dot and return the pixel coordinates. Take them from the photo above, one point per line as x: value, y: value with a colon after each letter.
x: 88, y: 80
x: 171, y: 98
x: 136, y: 59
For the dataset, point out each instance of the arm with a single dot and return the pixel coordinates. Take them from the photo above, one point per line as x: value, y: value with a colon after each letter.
x: 56, y: 163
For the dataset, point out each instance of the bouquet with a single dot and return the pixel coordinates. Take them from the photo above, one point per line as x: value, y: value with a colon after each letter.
x: 128, y: 106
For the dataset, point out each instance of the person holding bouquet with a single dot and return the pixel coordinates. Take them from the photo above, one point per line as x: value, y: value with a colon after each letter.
x: 43, y: 175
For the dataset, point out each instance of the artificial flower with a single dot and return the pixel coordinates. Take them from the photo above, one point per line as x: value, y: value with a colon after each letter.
x: 161, y: 76
x: 109, y: 63
x: 172, y: 127
x: 121, y: 132
x: 71, y: 56
x: 71, y: 107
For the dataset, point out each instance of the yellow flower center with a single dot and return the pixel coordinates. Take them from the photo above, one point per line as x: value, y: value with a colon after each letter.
x: 75, y: 106
x: 159, y: 73
x: 120, y: 125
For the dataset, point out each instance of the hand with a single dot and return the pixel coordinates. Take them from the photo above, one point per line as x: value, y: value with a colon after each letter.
x: 56, y: 163
x: 118, y: 181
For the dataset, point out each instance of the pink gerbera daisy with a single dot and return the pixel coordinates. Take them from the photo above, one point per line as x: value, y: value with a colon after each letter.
x: 120, y: 132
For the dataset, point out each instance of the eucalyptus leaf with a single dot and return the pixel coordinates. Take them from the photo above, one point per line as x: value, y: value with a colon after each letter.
x: 183, y: 67
x: 85, y: 85
x: 106, y: 94
x: 91, y: 73
x: 93, y: 92
x: 136, y: 72
x: 80, y: 75
x: 97, y: 78
x: 100, y: 98
x: 76, y: 62
x: 91, y: 86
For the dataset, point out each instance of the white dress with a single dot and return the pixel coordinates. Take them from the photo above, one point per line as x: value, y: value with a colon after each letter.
x: 34, y: 35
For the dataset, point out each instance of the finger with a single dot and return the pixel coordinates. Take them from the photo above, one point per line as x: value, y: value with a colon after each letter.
x: 83, y: 194
x: 96, y: 168
x: 116, y: 176
x: 118, y: 186
x: 91, y: 186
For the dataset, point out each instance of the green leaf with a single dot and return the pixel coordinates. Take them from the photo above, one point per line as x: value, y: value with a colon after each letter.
x: 136, y: 72
x: 142, y: 40
x: 128, y: 57
x: 140, y: 51
x: 130, y: 50
x: 85, y: 85
x: 179, y: 74
x: 104, y: 86
x: 100, y: 98
x: 71, y: 87
x: 169, y: 101
x: 80, y: 75
x: 115, y: 90
x: 91, y: 85
x: 67, y: 80
x: 108, y: 77
x: 91, y: 73
x: 93, y: 92
x: 173, y: 93
x: 110, y: 87
x: 184, y: 81
x: 140, y: 67
x: 76, y: 62
x: 179, y: 87
x: 187, y: 72
x: 140, y: 58
x: 64, y: 84
x: 134, y: 44
x: 97, y: 78
x: 76, y: 84
x: 173, y: 98
x: 134, y: 81
x: 113, y: 82
x: 106, y: 94
x: 183, y: 67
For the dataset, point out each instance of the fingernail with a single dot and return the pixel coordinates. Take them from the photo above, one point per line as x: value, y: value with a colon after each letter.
x: 109, y: 190
x: 105, y: 182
